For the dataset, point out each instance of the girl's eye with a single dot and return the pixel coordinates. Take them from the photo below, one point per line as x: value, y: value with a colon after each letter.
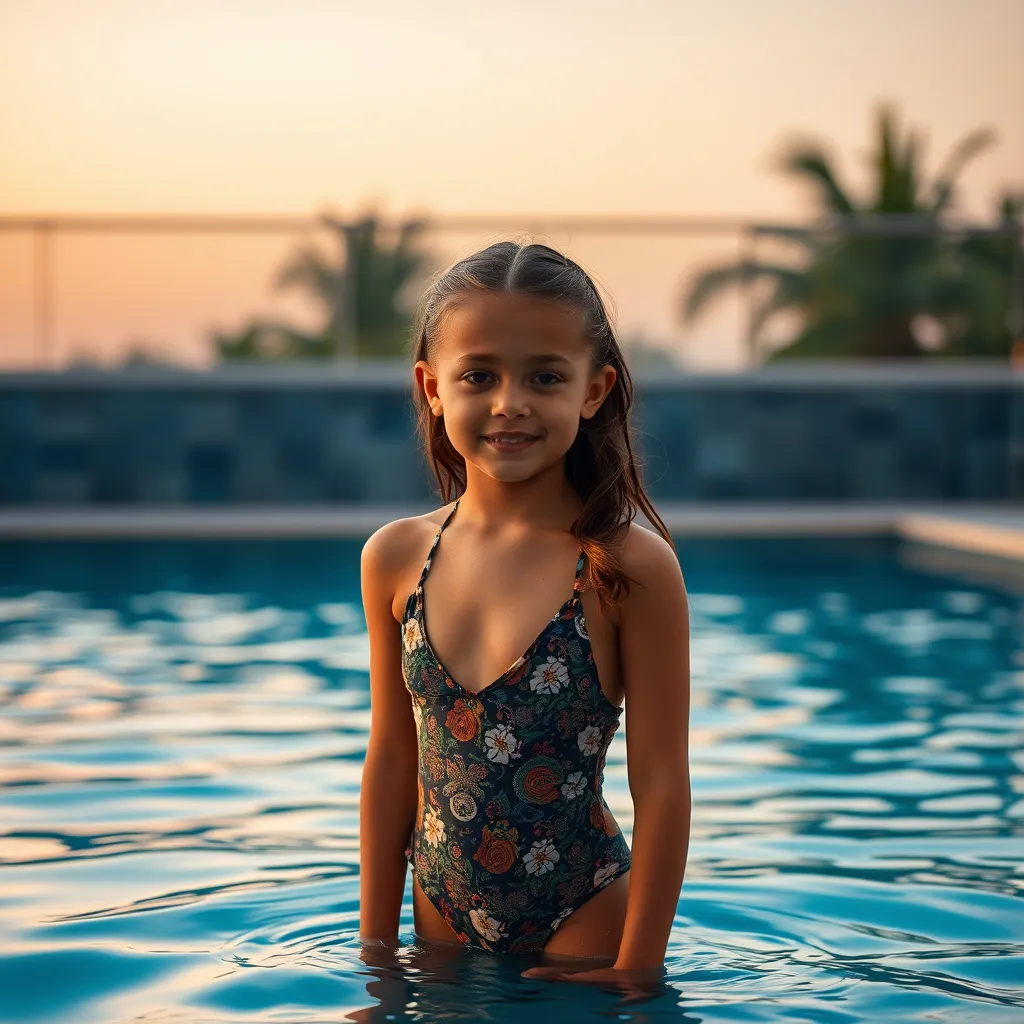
x: 555, y: 379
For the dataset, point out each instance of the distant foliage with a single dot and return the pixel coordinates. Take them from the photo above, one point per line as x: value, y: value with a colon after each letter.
x: 859, y: 293
x: 367, y: 314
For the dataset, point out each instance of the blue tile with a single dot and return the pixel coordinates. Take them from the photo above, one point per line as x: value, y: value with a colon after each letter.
x: 209, y: 477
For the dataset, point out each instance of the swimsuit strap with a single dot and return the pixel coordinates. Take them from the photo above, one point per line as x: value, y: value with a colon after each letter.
x: 437, y: 537
x: 579, y: 571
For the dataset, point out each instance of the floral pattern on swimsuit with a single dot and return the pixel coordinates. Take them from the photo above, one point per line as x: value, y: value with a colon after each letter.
x: 512, y: 833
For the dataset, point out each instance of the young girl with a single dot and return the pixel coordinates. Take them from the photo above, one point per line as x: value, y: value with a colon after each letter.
x: 489, y: 732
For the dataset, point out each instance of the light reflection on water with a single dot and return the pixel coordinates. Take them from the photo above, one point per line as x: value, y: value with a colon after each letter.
x: 184, y: 724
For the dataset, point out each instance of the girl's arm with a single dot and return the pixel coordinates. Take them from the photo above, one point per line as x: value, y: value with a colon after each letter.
x: 387, y: 798
x: 654, y: 644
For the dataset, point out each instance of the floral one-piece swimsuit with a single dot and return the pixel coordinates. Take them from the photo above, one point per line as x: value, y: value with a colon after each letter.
x: 512, y: 833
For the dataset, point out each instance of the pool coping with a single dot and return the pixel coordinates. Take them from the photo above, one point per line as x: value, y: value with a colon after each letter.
x: 996, y: 530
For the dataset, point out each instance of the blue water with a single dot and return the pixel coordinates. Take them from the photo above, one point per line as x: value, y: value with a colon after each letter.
x: 180, y: 747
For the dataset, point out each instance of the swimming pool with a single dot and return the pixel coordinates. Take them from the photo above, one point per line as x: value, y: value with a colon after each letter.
x: 184, y: 723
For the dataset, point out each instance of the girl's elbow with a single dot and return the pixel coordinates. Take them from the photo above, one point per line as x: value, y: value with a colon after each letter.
x: 662, y: 789
x: 396, y: 748
x: 389, y: 764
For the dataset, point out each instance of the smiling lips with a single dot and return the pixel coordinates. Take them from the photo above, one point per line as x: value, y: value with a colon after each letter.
x: 510, y: 435
x: 509, y: 441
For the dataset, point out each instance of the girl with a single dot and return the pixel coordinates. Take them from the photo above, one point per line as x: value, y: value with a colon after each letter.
x: 489, y: 732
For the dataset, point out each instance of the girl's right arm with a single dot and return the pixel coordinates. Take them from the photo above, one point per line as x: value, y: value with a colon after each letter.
x: 387, y: 798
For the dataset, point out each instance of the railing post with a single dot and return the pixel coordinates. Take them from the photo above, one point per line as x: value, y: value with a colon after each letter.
x: 1015, y: 317
x: 43, y: 314
x: 748, y: 242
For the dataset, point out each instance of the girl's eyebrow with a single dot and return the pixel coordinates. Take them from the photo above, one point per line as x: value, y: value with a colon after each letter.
x: 487, y: 357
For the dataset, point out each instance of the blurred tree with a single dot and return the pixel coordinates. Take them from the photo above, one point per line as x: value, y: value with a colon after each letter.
x: 646, y: 355
x: 361, y: 295
x: 270, y: 340
x: 861, y: 293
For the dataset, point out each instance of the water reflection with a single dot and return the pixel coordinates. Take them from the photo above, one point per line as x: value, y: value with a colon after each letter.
x: 183, y: 729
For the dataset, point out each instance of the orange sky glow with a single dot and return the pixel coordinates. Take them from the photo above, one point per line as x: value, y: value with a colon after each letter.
x: 452, y: 107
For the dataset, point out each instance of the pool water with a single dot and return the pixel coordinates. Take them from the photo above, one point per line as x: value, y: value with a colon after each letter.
x: 183, y: 729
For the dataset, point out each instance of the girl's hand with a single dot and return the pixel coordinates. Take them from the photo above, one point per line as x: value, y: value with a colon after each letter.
x: 635, y: 981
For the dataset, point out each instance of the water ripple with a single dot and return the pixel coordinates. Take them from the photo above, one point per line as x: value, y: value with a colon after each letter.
x: 183, y: 731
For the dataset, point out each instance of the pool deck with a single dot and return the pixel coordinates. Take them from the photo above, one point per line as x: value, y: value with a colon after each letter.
x: 983, y: 529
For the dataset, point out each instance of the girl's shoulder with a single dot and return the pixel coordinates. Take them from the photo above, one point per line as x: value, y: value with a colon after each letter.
x: 647, y: 558
x: 650, y: 564
x: 388, y: 542
x: 644, y: 550
x: 392, y: 550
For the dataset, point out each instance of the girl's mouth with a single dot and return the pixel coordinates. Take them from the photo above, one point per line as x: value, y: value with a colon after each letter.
x: 510, y: 445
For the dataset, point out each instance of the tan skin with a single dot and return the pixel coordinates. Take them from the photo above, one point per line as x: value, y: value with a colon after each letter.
x: 510, y: 361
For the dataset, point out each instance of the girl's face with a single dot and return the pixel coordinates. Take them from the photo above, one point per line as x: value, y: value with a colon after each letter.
x: 512, y: 364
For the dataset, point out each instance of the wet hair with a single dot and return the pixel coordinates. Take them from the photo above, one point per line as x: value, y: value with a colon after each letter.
x: 600, y: 464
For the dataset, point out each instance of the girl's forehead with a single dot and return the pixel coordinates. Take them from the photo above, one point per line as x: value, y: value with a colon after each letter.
x: 503, y: 318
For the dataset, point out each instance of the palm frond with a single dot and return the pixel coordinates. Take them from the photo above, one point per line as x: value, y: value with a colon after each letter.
x: 793, y: 292
x: 810, y: 161
x: 308, y: 271
x: 963, y: 152
x: 710, y: 283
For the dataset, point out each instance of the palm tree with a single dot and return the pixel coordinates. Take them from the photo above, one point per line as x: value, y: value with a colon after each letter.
x: 860, y: 292
x: 361, y: 294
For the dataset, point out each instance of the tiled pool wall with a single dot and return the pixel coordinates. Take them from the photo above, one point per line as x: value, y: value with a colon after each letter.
x: 336, y: 435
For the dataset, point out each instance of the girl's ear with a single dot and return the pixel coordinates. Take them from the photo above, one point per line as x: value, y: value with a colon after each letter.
x: 601, y: 383
x: 426, y: 381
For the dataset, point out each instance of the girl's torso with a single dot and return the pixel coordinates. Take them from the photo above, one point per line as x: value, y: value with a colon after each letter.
x: 513, y: 838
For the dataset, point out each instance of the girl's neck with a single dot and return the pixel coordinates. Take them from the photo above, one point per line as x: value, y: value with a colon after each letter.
x: 545, y: 501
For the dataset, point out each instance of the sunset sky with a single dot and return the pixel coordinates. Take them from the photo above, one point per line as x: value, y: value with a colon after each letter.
x: 561, y: 107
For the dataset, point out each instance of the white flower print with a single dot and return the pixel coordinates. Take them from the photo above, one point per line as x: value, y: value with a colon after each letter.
x: 589, y: 741
x: 489, y: 927
x: 500, y: 744
x: 433, y: 827
x: 541, y: 858
x: 603, y: 874
x: 574, y: 786
x: 561, y: 917
x: 581, y: 626
x: 412, y: 635
x: 549, y: 677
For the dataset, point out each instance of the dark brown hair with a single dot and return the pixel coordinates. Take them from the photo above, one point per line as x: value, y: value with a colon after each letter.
x: 600, y: 464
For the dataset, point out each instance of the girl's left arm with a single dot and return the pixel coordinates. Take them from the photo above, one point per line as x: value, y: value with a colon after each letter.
x: 654, y: 645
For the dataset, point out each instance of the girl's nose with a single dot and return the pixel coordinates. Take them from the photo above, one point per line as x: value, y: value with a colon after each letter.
x: 510, y: 400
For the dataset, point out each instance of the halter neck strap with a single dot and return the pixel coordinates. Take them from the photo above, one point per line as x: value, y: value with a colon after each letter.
x: 579, y: 570
x: 437, y: 537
